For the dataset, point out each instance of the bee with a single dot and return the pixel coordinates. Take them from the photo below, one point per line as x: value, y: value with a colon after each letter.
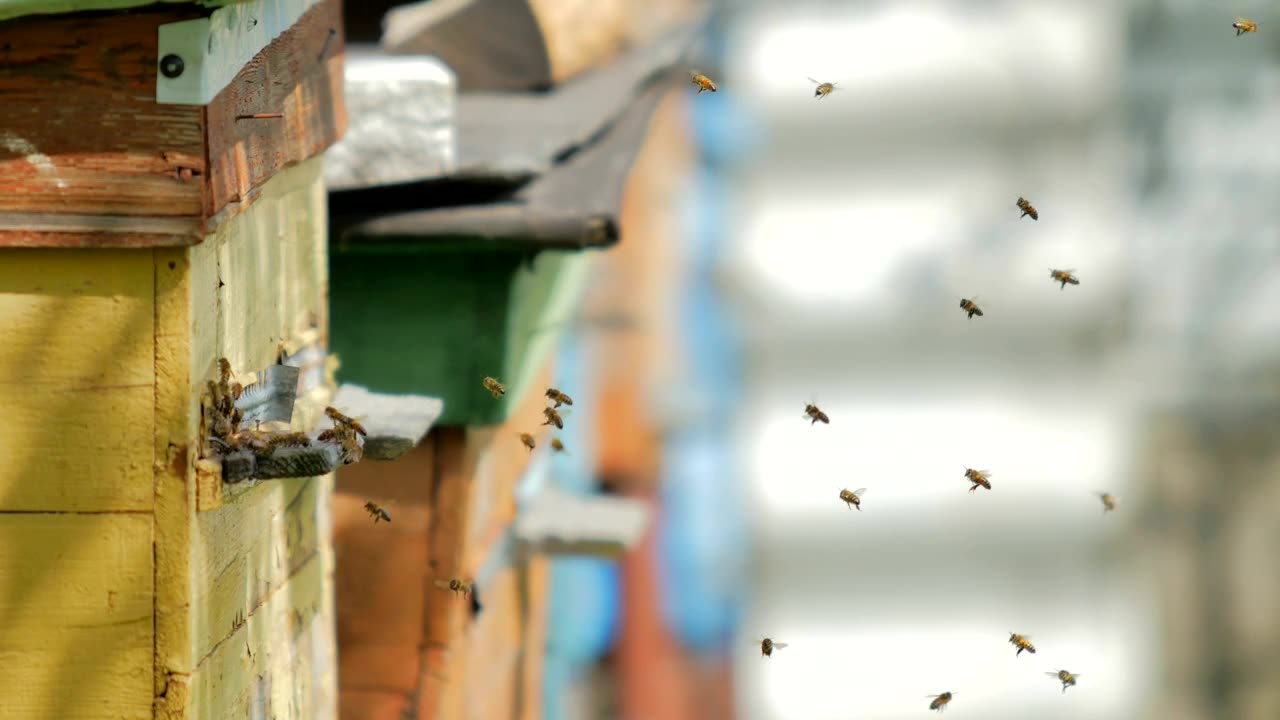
x: 456, y: 585
x: 812, y: 411
x: 767, y: 646
x: 293, y: 439
x: 1064, y: 277
x: 1022, y: 642
x: 968, y: 305
x: 377, y: 512
x: 559, y: 397
x: 352, y: 450
x: 702, y: 82
x: 527, y: 439
x: 341, y: 419
x: 1243, y: 26
x: 224, y: 371
x: 852, y: 499
x: 1108, y: 501
x: 494, y: 387
x: 553, y: 418
x: 940, y: 701
x: 1027, y: 209
x: 822, y: 89
x: 557, y: 445
x: 1068, y: 678
x: 332, y: 435
x: 979, y: 478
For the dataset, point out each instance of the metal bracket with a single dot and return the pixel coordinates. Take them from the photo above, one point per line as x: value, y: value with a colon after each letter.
x: 212, y: 50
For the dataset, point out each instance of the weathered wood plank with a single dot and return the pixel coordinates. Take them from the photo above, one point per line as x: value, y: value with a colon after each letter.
x: 96, y: 231
x: 298, y: 76
x: 80, y: 131
x: 247, y: 549
x: 372, y: 704
x: 176, y: 413
x: 214, y: 49
x: 76, y: 597
x: 278, y: 663
x: 452, y: 496
x: 77, y: 356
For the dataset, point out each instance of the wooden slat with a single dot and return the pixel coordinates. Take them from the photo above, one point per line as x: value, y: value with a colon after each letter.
x: 492, y: 652
x: 76, y: 362
x: 536, y: 594
x: 75, y: 595
x: 278, y: 664
x: 247, y: 550
x: 299, y: 75
x: 372, y: 705
x: 80, y: 131
x: 176, y: 410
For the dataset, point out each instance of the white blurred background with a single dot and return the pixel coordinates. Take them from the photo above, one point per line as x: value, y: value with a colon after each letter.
x: 1145, y: 133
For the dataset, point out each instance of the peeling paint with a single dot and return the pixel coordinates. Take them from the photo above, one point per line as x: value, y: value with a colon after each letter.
x: 32, y: 155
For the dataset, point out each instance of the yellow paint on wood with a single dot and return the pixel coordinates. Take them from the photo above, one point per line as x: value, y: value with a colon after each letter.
x: 279, y: 663
x: 260, y: 279
x: 76, y: 365
x: 246, y: 550
x: 176, y: 422
x: 76, y: 602
x: 256, y: 282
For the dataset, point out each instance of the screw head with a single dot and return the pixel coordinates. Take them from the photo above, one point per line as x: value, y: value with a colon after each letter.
x: 171, y: 66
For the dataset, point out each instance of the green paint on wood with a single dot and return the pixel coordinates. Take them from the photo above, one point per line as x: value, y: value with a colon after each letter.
x: 436, y: 323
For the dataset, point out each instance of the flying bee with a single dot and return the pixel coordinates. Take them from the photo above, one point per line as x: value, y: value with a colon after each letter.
x: 1243, y: 26
x: 702, y: 82
x: 557, y: 445
x: 1027, y: 209
x: 852, y: 499
x: 377, y: 512
x: 969, y: 306
x: 1022, y: 642
x: 341, y: 419
x: 767, y: 646
x: 224, y: 370
x: 553, y: 417
x: 1108, y: 501
x: 822, y: 89
x: 527, y: 439
x: 811, y: 411
x: 940, y: 701
x: 494, y: 387
x: 559, y: 397
x: 979, y: 478
x: 1068, y: 678
x: 1064, y: 277
x: 456, y: 585
x: 352, y: 450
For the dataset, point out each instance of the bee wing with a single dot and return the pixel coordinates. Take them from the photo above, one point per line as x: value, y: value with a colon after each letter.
x: 815, y: 82
x: 858, y: 493
x: 779, y: 646
x: 442, y: 584
x: 1053, y: 673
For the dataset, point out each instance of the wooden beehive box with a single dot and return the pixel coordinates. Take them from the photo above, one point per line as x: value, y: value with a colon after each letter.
x: 151, y: 222
x: 472, y: 268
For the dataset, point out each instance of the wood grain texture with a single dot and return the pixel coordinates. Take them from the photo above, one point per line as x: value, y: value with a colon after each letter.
x: 80, y: 131
x: 176, y: 413
x: 76, y: 598
x: 76, y: 358
x: 278, y: 664
x: 254, y: 284
x: 299, y: 75
x: 245, y: 551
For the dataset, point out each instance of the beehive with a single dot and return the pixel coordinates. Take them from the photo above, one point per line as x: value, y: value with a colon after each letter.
x: 151, y: 222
